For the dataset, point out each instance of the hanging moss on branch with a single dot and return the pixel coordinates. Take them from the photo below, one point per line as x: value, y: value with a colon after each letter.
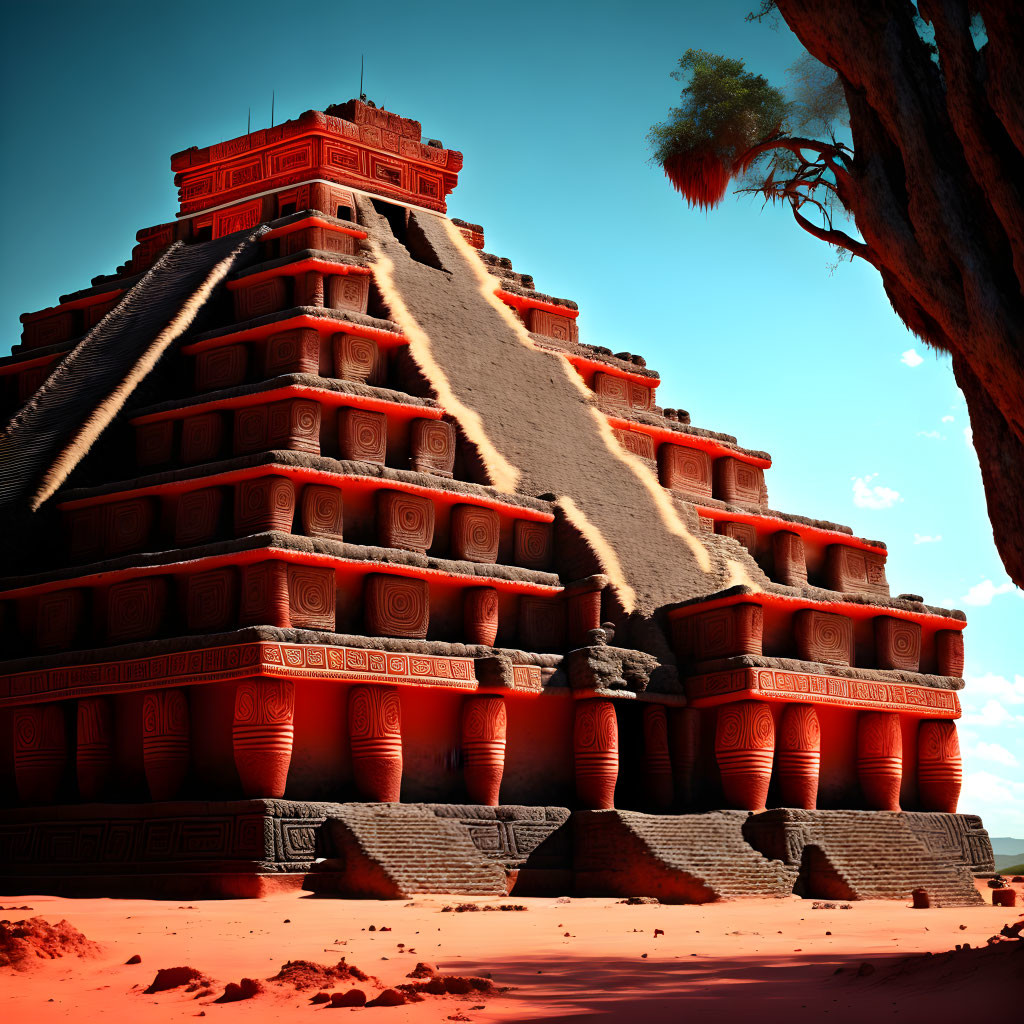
x: 725, y: 111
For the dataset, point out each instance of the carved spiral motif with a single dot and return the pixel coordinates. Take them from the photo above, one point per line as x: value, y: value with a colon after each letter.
x: 880, y: 758
x: 251, y: 428
x: 363, y: 435
x: 375, y: 738
x: 432, y: 443
x: 356, y: 358
x: 824, y: 637
x: 305, y: 418
x: 197, y: 515
x: 322, y: 511
x: 201, y: 437
x: 135, y: 608
x: 262, y: 735
x: 685, y: 469
x: 745, y: 725
x: 267, y: 503
x: 480, y: 615
x: 311, y: 596
x: 40, y: 751
x: 397, y: 606
x: 405, y: 520
x: 484, y: 726
x: 533, y: 544
x: 165, y: 741
x: 475, y: 533
x: 265, y: 702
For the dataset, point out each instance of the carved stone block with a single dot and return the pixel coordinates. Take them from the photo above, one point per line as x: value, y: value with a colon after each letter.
x: 296, y: 351
x: 197, y: 516
x: 202, y: 438
x: 685, y: 469
x: 745, y: 533
x: 348, y: 291
x: 432, y: 446
x: 292, y: 425
x: 622, y: 392
x: 719, y: 633
x: 263, y: 597
x: 363, y: 435
x: 211, y: 600
x: 738, y: 482
x: 264, y: 503
x: 260, y: 298
x: 851, y: 570
x: 552, y: 325
x: 475, y: 532
x: 396, y: 606
x: 949, y: 652
x: 897, y: 643
x: 533, y: 544
x: 134, y: 609
x: 322, y: 511
x: 127, y: 525
x: 224, y: 367
x: 404, y: 520
x: 823, y: 637
x: 84, y: 532
x: 357, y: 358
x: 308, y: 289
x: 542, y: 623
x: 637, y: 443
x: 480, y: 615
x: 312, y: 597
x: 154, y: 443
x: 59, y: 618
x: 790, y: 561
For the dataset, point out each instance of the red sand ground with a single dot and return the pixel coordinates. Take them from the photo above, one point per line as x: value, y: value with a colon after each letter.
x: 762, y: 960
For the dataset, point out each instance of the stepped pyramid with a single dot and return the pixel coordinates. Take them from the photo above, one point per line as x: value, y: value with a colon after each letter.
x: 315, y: 499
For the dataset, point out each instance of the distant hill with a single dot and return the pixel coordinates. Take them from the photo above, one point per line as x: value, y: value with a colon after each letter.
x: 1005, y: 844
x: 1011, y: 869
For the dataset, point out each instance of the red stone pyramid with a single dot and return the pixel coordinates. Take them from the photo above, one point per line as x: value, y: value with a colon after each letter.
x: 315, y: 499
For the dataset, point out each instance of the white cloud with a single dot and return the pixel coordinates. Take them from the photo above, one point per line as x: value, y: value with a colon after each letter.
x: 920, y: 538
x: 934, y: 434
x: 992, y: 685
x: 947, y: 419
x: 968, y: 437
x: 1000, y: 801
x: 991, y: 716
x: 983, y: 593
x: 911, y: 358
x: 866, y: 495
x: 993, y: 752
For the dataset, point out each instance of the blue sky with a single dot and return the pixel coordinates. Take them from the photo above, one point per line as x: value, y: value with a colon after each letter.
x: 738, y: 309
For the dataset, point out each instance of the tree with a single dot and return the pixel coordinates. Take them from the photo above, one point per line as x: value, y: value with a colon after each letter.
x: 930, y: 97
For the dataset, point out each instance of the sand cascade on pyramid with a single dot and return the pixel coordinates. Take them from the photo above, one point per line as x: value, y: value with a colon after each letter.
x: 315, y: 500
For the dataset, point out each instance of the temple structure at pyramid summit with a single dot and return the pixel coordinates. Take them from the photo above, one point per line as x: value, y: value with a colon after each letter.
x: 336, y: 559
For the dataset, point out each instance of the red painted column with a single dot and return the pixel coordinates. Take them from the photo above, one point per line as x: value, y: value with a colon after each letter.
x: 165, y: 742
x: 657, y: 760
x: 484, y: 725
x: 880, y: 759
x: 40, y: 752
x: 939, y: 768
x: 94, y: 747
x: 798, y: 757
x: 684, y: 742
x: 744, y: 748
x: 596, y: 748
x: 261, y: 734
x: 375, y: 737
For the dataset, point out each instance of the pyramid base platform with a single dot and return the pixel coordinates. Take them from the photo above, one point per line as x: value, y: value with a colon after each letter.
x: 253, y: 848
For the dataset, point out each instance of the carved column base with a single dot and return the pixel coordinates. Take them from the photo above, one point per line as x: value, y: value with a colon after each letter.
x: 880, y: 759
x: 94, y: 753
x: 744, y: 749
x: 939, y: 768
x: 596, y: 748
x: 40, y: 752
x: 165, y: 742
x: 798, y: 759
x: 262, y: 733
x: 375, y: 738
x: 484, y: 726
x: 658, y: 787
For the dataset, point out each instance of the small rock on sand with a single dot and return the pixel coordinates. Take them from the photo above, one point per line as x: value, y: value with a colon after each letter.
x: 354, y: 997
x: 389, y: 997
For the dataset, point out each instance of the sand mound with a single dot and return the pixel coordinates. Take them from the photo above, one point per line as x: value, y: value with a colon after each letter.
x: 24, y: 942
x: 245, y: 989
x: 175, y: 977
x: 453, y: 985
x: 303, y: 974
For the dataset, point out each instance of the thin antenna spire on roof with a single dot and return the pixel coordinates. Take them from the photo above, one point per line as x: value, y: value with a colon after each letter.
x: 271, y: 109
